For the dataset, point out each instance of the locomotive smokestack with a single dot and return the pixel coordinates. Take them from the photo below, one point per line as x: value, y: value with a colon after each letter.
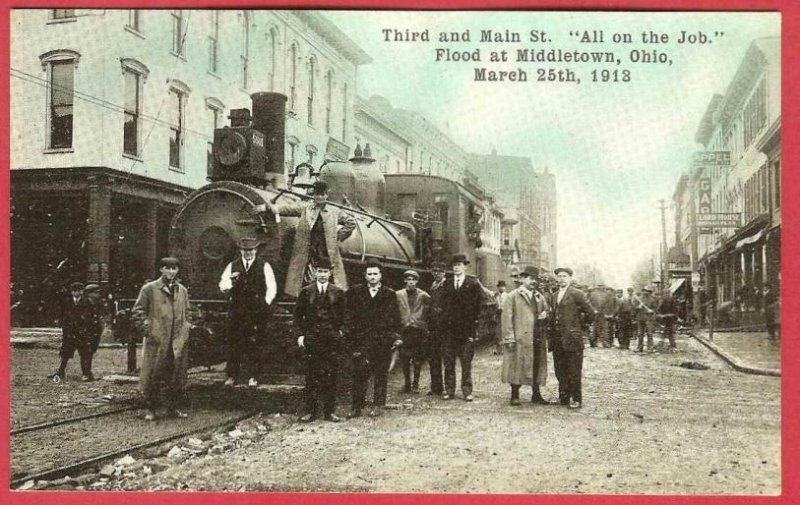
x: 269, y: 117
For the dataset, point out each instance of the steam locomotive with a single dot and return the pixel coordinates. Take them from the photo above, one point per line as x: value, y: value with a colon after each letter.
x: 247, y: 187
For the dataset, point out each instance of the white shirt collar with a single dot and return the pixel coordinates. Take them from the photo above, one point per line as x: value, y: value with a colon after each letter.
x: 321, y: 286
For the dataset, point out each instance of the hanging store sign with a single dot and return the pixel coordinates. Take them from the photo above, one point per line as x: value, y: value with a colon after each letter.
x: 711, y: 159
x: 719, y: 220
x: 703, y: 203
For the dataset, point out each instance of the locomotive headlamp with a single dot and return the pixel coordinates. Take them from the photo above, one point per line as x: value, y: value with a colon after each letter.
x: 231, y: 148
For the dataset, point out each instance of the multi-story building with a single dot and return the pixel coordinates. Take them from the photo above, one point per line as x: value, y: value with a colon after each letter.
x: 736, y: 262
x: 391, y: 148
x: 533, y: 195
x: 112, y: 118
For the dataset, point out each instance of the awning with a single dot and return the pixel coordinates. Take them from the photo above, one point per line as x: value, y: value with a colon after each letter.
x: 752, y: 239
x: 675, y: 285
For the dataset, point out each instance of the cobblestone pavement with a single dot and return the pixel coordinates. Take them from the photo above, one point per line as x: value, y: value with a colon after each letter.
x: 754, y: 349
x: 648, y: 426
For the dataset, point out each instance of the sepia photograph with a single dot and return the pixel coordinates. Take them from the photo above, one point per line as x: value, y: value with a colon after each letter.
x: 395, y: 251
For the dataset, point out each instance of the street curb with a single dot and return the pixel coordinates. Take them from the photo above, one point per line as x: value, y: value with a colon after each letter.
x: 732, y: 361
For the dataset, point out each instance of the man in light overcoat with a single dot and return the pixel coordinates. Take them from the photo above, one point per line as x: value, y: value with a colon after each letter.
x: 317, y: 236
x: 161, y: 314
x: 524, y: 348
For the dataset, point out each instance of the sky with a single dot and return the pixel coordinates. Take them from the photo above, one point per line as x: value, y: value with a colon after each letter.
x: 616, y: 148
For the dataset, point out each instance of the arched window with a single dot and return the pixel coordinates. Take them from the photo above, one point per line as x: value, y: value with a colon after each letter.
x: 134, y: 74
x: 344, y: 113
x: 176, y: 117
x: 272, y: 51
x: 60, y: 67
x: 245, y: 52
x: 292, y: 76
x: 328, y: 100
x: 213, y: 42
x: 312, y: 68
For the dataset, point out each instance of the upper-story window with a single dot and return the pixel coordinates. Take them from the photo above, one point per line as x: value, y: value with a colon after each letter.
x: 213, y: 42
x: 62, y: 13
x: 292, y: 76
x: 312, y: 68
x: 272, y: 51
x: 344, y: 113
x: 134, y: 20
x: 178, y: 33
x: 245, y: 50
x: 755, y: 113
x: 176, y: 118
x: 328, y: 100
x: 134, y: 74
x: 60, y: 67
x: 215, y: 109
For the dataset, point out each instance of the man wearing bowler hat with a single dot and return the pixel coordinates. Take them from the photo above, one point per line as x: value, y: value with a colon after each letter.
x: 462, y: 296
x: 319, y: 230
x: 569, y: 306
x: 319, y: 316
x: 250, y: 283
x: 160, y: 312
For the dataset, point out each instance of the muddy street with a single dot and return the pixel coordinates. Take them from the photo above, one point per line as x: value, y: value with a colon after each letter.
x: 647, y: 426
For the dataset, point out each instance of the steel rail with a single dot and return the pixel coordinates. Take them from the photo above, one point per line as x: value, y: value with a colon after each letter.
x: 58, y: 422
x: 55, y: 473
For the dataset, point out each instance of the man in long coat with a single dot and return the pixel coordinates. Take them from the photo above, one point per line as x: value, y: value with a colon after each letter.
x: 524, y: 348
x: 317, y: 236
x: 373, y: 323
x: 161, y: 313
x: 569, y: 306
x: 76, y: 327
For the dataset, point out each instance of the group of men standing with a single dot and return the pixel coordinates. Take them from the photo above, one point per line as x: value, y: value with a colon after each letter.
x: 370, y: 323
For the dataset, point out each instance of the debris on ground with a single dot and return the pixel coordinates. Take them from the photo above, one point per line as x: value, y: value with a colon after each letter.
x: 693, y: 365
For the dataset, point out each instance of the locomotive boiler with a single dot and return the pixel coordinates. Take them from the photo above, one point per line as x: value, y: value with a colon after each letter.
x: 244, y: 198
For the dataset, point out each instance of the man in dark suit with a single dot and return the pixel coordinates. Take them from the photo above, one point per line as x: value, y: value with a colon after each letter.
x: 373, y: 323
x: 667, y: 312
x: 569, y: 305
x: 437, y: 329
x: 251, y: 284
x: 461, y: 304
x: 319, y: 316
x: 76, y: 315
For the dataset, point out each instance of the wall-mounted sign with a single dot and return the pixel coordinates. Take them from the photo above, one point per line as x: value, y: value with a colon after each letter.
x: 719, y: 220
x: 711, y: 159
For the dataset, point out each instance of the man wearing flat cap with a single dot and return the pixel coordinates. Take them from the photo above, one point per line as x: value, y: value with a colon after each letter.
x: 373, y: 323
x: 161, y: 312
x: 569, y: 306
x: 319, y: 317
x: 524, y: 345
x: 414, y: 305
x: 462, y: 298
x: 319, y: 230
x: 250, y: 283
x: 76, y: 313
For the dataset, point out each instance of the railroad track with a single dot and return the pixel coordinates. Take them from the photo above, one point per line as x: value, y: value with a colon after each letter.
x: 85, y: 443
x: 91, y: 462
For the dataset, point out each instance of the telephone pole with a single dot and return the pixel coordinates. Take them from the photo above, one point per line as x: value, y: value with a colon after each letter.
x: 663, y: 245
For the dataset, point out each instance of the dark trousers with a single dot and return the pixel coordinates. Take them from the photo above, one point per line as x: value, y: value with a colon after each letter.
x: 569, y: 369
x: 645, y: 326
x: 242, y: 340
x: 464, y: 350
x: 320, y: 381
x: 373, y: 363
x: 602, y: 331
x: 669, y: 330
x: 625, y: 325
x: 70, y: 344
x: 412, y: 355
x: 435, y: 362
x: 162, y: 388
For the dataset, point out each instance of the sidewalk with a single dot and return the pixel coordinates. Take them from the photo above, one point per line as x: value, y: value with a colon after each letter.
x: 748, y: 350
